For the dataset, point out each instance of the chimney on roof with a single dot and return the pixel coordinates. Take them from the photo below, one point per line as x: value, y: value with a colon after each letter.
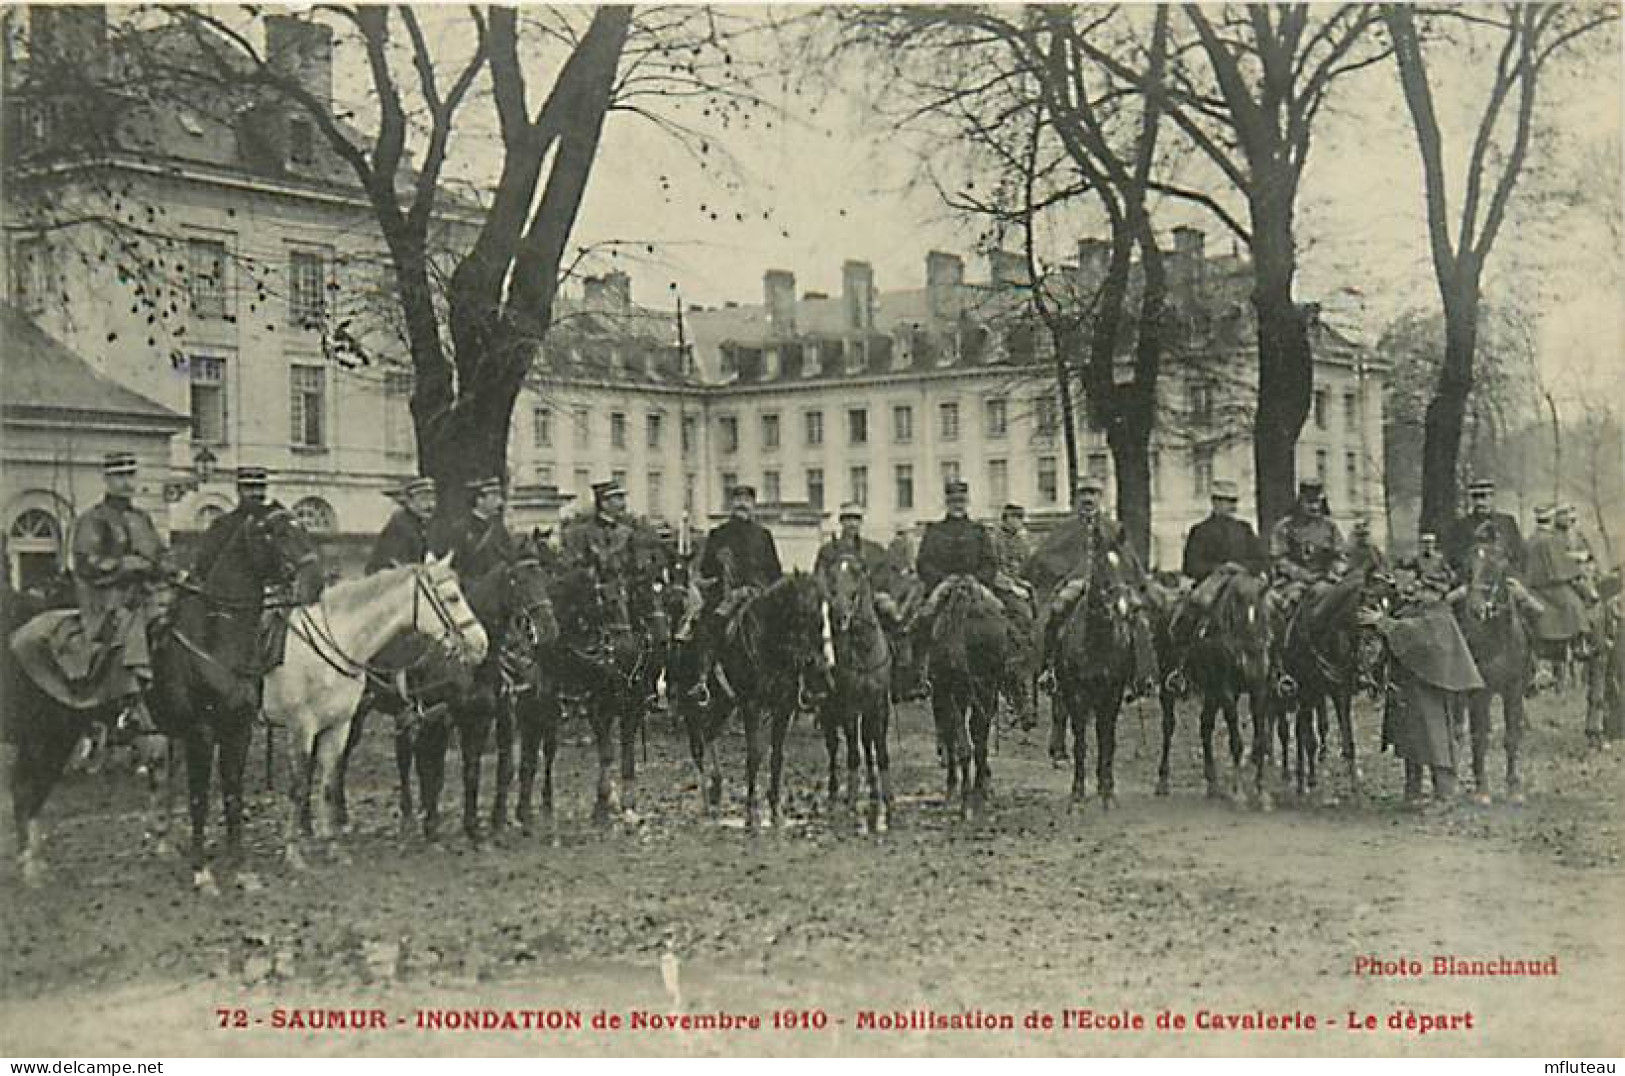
x: 1093, y: 255
x: 1007, y: 269
x: 944, y: 281
x: 1189, y: 255
x: 297, y: 47
x: 608, y: 294
x: 779, y: 294
x: 858, y: 296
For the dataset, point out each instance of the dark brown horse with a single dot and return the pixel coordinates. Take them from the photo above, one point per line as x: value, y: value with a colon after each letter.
x: 1326, y: 656
x: 859, y: 707
x: 1231, y: 657
x: 1499, y: 642
x: 207, y: 660
x: 773, y: 663
x: 968, y: 659
x: 1094, y: 662
x: 441, y: 694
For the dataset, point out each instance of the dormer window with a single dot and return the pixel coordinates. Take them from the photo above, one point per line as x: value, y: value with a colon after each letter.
x: 301, y: 141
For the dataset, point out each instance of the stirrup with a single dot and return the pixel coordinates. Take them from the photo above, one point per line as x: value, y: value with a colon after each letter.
x: 1175, y: 682
x: 1046, y: 681
x: 1286, y: 685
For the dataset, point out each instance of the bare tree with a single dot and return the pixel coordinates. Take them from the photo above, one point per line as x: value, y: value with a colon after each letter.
x: 1530, y: 36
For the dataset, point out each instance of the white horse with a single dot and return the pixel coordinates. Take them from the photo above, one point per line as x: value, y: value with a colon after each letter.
x: 317, y: 688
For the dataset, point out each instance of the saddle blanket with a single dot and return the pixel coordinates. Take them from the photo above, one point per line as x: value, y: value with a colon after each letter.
x: 67, y: 665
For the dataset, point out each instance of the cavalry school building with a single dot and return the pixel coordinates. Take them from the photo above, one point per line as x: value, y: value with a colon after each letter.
x: 217, y: 260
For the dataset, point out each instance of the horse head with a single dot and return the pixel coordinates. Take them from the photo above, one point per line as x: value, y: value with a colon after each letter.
x: 849, y: 592
x: 531, y: 618
x: 452, y: 622
x: 790, y: 627
x: 291, y: 551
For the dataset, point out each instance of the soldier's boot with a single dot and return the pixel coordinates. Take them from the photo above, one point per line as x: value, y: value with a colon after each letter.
x: 1413, y: 785
x: 1444, y: 788
x: 134, y: 719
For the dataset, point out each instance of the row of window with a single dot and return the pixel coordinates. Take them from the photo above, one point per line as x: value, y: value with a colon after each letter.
x: 1201, y: 397
x: 308, y: 281
x: 654, y: 429
x: 307, y: 404
x: 995, y: 424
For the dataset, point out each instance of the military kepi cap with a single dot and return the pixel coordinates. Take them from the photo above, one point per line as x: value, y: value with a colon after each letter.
x: 1088, y: 483
x: 956, y: 487
x: 851, y: 510
x: 1014, y: 509
x: 1311, y: 482
x: 118, y: 463
x: 1481, y: 485
x: 603, y: 491
x: 1543, y: 514
x: 1224, y: 490
x: 485, y: 485
x: 742, y: 490
x: 417, y: 485
x: 253, y: 478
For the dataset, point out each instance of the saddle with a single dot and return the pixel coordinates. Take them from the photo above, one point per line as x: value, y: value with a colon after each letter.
x: 65, y: 663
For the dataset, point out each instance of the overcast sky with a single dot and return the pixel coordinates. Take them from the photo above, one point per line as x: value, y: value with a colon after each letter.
x: 808, y: 189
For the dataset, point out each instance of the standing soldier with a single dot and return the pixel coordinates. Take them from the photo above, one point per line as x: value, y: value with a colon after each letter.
x: 1216, y: 549
x: 1565, y: 523
x: 118, y: 559
x: 1557, y: 581
x: 1305, y: 546
x: 1459, y: 542
x: 405, y: 538
x: 1429, y: 565
x: 482, y: 543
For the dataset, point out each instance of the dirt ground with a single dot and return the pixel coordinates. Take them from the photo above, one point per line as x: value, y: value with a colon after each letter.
x: 1163, y: 910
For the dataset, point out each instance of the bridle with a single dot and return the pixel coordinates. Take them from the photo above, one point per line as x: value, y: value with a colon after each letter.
x: 453, y: 641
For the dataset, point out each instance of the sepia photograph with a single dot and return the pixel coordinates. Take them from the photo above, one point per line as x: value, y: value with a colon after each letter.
x: 795, y: 529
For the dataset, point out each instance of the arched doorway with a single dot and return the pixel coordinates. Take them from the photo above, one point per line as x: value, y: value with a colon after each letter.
x: 34, y: 549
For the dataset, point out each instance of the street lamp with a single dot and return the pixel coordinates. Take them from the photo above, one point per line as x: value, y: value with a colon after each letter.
x: 203, y: 461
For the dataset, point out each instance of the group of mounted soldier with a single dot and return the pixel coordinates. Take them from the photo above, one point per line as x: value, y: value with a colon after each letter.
x: 120, y: 565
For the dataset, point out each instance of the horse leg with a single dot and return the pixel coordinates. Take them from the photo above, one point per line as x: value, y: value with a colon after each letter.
x: 405, y: 750
x: 1343, y: 703
x: 753, y: 762
x: 504, y: 732
x: 1232, y: 721
x: 832, y: 746
x: 942, y: 713
x: 1209, y: 768
x: 199, y: 769
x: 1106, y: 710
x: 1058, y: 718
x: 358, y: 721
x: 1304, y: 729
x: 856, y: 718
x: 1513, y: 715
x: 301, y: 757
x: 1478, y: 716
x: 473, y: 728
x: 1170, y: 721
x: 881, y: 728
x: 433, y: 741
x: 984, y: 710
x: 632, y: 707
x: 324, y: 777
x: 528, y: 719
x: 607, y: 802
x: 234, y: 745
x: 775, y: 777
x: 1073, y: 708
x: 45, y: 744
x: 160, y: 780
x: 552, y: 721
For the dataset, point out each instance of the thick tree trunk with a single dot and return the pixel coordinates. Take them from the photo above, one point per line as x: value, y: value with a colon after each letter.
x: 1130, y: 442
x: 1285, y: 362
x: 1447, y: 410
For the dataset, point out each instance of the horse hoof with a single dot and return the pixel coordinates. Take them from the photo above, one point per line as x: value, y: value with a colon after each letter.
x: 165, y: 849
x: 295, y: 859
x: 1162, y: 788
x: 1108, y: 801
x: 340, y: 856
x: 249, y: 882
x: 1214, y: 792
x: 34, y: 872
x: 1481, y: 799
x: 203, y: 881
x: 1266, y: 802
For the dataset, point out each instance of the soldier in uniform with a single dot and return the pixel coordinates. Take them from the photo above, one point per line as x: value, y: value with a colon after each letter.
x: 1073, y: 550
x: 1305, y: 545
x: 118, y: 559
x: 405, y: 538
x: 740, y: 560
x: 602, y: 541
x: 1363, y: 554
x: 1564, y: 521
x: 850, y: 541
x: 481, y: 544
x: 1556, y: 578
x: 1012, y: 545
x: 252, y: 503
x: 1459, y: 542
x: 954, y: 545
x: 1216, y: 549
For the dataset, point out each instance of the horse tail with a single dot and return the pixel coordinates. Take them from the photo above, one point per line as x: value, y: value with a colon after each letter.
x: 948, y: 632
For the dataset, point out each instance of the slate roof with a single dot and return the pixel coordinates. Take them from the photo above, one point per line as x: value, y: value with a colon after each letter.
x: 40, y: 376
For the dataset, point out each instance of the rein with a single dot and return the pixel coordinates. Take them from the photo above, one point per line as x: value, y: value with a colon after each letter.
x: 320, y: 636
